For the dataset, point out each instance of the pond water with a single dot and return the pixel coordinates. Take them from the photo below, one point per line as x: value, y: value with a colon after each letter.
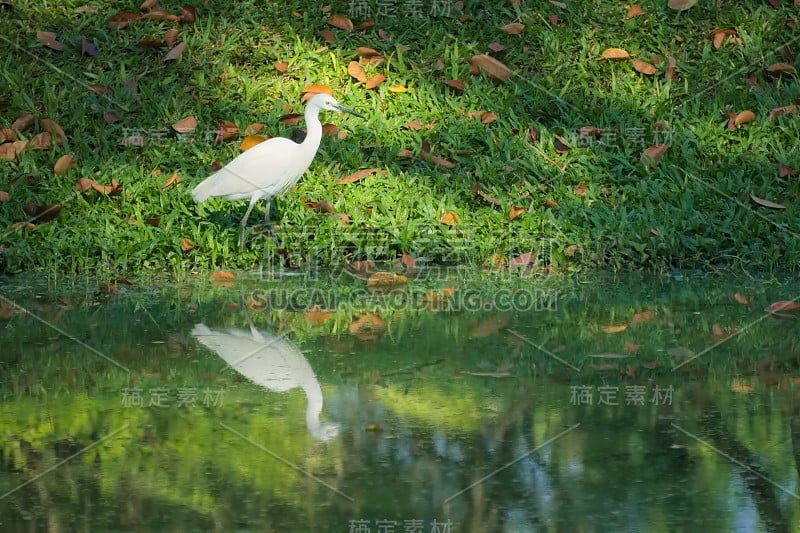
x: 355, y: 403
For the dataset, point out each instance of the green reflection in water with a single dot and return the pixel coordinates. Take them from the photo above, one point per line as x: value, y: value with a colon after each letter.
x: 392, y: 402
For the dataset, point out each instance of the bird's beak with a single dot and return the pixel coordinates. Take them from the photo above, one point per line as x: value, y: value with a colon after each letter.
x: 340, y: 107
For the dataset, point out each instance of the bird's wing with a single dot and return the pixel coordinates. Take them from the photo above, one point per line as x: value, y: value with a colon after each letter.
x: 267, y: 168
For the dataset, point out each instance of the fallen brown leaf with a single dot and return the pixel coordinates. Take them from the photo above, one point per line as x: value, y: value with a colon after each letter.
x: 48, y: 39
x: 515, y: 212
x: 250, y: 141
x: 185, y: 125
x: 458, y: 85
x: 643, y: 67
x: 786, y: 170
x: 281, y: 66
x: 341, y: 22
x: 494, y: 69
x: 634, y: 11
x: 64, y: 163
x: 652, y: 154
x: 42, y: 213
x: 357, y: 176
x: 356, y: 71
x: 175, y: 178
x: 766, y: 203
x: 374, y: 81
x: 744, y: 117
x: 514, y: 28
x: 176, y: 52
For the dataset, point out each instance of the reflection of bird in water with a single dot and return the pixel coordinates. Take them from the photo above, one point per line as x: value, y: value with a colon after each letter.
x: 271, y: 361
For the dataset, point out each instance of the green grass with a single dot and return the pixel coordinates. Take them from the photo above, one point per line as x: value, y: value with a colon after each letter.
x: 696, y: 198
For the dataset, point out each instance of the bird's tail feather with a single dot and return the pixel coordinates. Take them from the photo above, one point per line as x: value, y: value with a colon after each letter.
x: 204, y: 190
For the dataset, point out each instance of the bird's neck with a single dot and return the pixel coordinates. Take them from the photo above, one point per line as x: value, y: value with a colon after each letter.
x: 313, y: 128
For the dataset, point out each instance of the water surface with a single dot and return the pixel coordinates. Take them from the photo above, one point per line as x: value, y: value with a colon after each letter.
x: 448, y: 403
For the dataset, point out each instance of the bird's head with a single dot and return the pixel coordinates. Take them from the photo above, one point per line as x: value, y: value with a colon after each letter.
x: 327, y: 102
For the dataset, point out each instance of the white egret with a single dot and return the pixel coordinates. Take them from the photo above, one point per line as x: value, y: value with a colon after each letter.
x: 274, y: 362
x: 270, y: 167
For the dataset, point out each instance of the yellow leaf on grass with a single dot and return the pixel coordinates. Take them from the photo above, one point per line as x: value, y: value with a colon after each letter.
x: 398, y: 89
x: 250, y: 141
x: 450, y: 219
x: 615, y: 53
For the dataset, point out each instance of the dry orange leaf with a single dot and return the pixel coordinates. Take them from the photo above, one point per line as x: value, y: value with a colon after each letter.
x: 317, y: 88
x: 41, y: 141
x: 222, y: 274
x: 450, y: 219
x: 175, y: 178
x: 186, y: 244
x: 783, y: 306
x: 22, y: 123
x: 743, y: 298
x: 515, y: 212
x: 7, y: 134
x: 717, y: 332
x: 766, y: 203
x: 52, y: 127
x: 171, y: 37
x: 374, y: 81
x: 614, y: 329
x: 643, y: 316
x: 281, y: 66
x: 515, y: 28
x: 355, y: 70
x: 780, y: 111
x: 634, y: 11
x: 631, y: 347
x: 496, y: 47
x: 64, y: 163
x: 781, y: 69
x: 493, y: 68
x: 413, y: 125
x: 254, y: 128
x: 176, y: 52
x: 488, y: 117
x: 250, y: 141
x: 720, y: 35
x: 357, y: 176
x: 84, y: 184
x: 744, y: 117
x: 185, y: 125
x: 12, y: 149
x: 341, y: 22
x: 327, y: 35
x: 652, y: 154
x: 455, y: 84
x: 615, y: 53
x: 379, y: 279
x: 644, y: 67
x: 364, y: 51
x: 367, y: 327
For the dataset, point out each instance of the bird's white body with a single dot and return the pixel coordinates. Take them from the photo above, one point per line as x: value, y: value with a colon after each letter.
x: 270, y: 167
x: 273, y: 362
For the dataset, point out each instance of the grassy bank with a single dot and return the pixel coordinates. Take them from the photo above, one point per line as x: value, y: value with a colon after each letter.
x: 586, y: 200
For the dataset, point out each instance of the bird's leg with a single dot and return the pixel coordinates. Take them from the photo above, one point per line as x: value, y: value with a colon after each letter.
x: 270, y: 229
x: 253, y: 201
